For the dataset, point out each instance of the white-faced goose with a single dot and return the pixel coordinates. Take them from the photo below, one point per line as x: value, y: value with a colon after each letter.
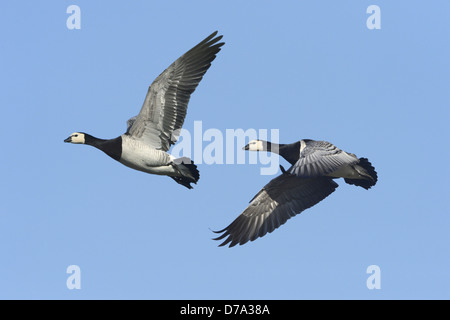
x: 150, y: 134
x: 309, y: 180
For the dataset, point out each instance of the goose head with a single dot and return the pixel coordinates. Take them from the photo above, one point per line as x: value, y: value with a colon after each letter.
x: 256, y: 145
x: 77, y: 138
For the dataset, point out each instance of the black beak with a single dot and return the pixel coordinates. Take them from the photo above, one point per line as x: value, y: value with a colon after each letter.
x: 246, y: 147
x: 69, y: 139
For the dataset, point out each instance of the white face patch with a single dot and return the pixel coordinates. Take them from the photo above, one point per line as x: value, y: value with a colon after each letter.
x: 77, y: 138
x: 255, y: 145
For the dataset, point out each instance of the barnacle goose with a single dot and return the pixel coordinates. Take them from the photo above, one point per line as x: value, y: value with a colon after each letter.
x: 150, y: 134
x: 309, y: 180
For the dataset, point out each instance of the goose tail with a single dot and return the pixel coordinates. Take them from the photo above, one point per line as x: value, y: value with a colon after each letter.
x: 368, y: 172
x: 188, y: 172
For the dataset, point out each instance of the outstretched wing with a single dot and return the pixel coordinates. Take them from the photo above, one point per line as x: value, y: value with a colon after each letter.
x: 319, y: 158
x: 282, y: 198
x: 162, y: 115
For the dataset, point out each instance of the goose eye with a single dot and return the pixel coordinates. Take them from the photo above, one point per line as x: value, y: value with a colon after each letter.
x: 75, y: 135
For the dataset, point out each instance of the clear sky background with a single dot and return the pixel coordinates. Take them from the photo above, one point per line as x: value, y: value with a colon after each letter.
x: 311, y: 69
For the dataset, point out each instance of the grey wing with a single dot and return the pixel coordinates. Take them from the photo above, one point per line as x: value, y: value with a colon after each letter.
x: 130, y: 123
x: 281, y: 199
x: 319, y: 158
x: 162, y: 115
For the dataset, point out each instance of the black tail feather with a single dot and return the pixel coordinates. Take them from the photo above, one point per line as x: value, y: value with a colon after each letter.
x: 183, y: 165
x: 183, y: 181
x: 193, y: 170
x: 368, y: 182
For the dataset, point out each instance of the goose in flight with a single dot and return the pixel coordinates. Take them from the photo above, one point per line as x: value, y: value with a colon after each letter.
x: 150, y: 134
x: 309, y: 180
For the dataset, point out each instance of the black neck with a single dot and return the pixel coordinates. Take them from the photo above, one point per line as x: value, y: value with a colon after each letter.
x: 112, y: 147
x: 290, y: 152
x: 271, y: 147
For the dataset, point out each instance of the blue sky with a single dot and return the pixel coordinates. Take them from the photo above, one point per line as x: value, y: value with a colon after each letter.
x: 310, y: 69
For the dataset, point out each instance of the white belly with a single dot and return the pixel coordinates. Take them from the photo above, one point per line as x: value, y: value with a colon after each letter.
x: 142, y: 157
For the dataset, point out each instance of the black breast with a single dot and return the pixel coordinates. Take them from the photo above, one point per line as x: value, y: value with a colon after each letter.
x: 112, y: 147
x: 290, y: 152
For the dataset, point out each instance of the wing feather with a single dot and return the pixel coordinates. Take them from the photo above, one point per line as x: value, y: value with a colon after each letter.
x: 319, y: 158
x: 282, y: 198
x: 162, y: 115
